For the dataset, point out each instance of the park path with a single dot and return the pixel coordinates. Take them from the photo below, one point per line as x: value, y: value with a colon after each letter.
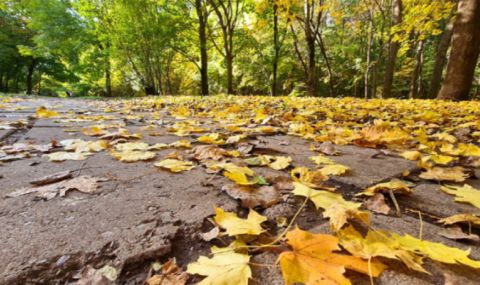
x: 142, y: 214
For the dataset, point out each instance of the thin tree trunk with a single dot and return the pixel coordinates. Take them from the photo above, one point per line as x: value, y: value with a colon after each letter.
x: 323, y: 50
x: 464, y: 54
x: 1, y: 81
x: 440, y: 60
x: 31, y: 69
x: 108, y: 78
x: 417, y: 71
x: 394, y: 46
x: 369, y: 55
x: 276, y: 49
x: 202, y: 34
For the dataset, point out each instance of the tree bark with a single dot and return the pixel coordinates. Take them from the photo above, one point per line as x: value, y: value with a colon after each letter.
x: 440, y: 60
x: 31, y: 69
x: 394, y: 46
x: 369, y: 56
x: 276, y: 48
x: 417, y: 71
x: 464, y: 53
x: 202, y: 34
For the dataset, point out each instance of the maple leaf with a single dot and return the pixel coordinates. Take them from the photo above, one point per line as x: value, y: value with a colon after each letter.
x: 377, y: 244
x: 94, y: 131
x: 226, y: 267
x: 312, y: 179
x: 131, y: 146
x: 181, y: 144
x: 240, y: 178
x: 321, y: 159
x: 175, y: 165
x: 313, y: 260
x: 237, y: 226
x: 411, y: 155
x: 465, y: 193
x: 130, y: 155
x: 281, y: 162
x: 445, y: 174
x: 394, y: 185
x: 43, y: 112
x: 334, y: 169
x: 203, y: 152
x: 62, y: 156
x: 213, y: 138
x: 461, y: 218
x: 335, y: 207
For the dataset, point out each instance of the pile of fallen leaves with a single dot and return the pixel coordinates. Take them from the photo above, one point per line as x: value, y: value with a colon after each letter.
x: 215, y: 134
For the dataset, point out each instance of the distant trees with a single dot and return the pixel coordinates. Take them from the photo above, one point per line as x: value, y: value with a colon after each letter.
x: 362, y: 48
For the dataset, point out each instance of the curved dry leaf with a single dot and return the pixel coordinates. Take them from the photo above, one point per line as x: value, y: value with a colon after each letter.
x: 445, y: 174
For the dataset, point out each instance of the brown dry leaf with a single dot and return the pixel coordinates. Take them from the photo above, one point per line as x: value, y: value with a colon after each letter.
x: 445, y: 174
x: 170, y: 274
x: 456, y: 233
x: 461, y: 218
x: 84, y: 184
x: 326, y: 148
x: 395, y: 185
x: 210, y: 235
x: 377, y: 204
x: 92, y: 276
x: 313, y: 260
x: 203, y: 152
x: 253, y: 196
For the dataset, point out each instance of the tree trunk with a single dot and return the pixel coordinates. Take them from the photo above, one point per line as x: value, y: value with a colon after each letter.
x: 417, y: 71
x: 440, y: 60
x: 369, y: 56
x: 229, y: 65
x: 276, y: 49
x: 31, y: 69
x: 202, y: 34
x: 108, y: 78
x: 1, y: 81
x: 310, y: 38
x: 394, y: 46
x: 464, y: 53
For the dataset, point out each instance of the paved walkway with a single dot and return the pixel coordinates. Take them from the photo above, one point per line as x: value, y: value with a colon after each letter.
x: 142, y: 214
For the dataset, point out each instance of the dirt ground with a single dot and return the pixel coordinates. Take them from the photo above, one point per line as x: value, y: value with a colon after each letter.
x: 142, y: 214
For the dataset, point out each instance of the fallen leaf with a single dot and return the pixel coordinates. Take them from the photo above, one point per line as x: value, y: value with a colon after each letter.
x: 445, y: 174
x: 395, y: 185
x: 335, y: 207
x: 465, y: 193
x: 210, y: 235
x: 84, y: 184
x: 461, y: 218
x: 281, y: 162
x: 411, y: 155
x: 237, y: 226
x: 377, y: 204
x: 129, y: 146
x: 203, y: 152
x: 320, y: 160
x: 130, y: 155
x: 456, y: 233
x: 313, y: 260
x: 334, y: 169
x: 175, y: 165
x: 170, y: 274
x: 224, y: 268
x: 251, y: 196
x: 43, y: 112
x: 313, y: 179
x: 63, y: 155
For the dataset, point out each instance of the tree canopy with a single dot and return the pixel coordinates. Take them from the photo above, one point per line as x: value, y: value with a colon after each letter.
x: 359, y: 48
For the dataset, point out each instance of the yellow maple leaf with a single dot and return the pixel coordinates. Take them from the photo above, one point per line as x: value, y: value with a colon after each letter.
x: 94, y: 131
x: 313, y: 261
x: 334, y: 169
x: 62, y: 156
x: 321, y: 159
x: 239, y: 178
x: 335, y: 207
x: 445, y: 174
x: 281, y: 162
x: 130, y: 155
x: 377, y: 244
x: 175, y: 165
x: 310, y: 178
x: 465, y: 193
x: 43, y: 112
x: 394, y: 185
x: 213, y: 138
x: 461, y: 218
x: 132, y: 146
x: 226, y: 267
x: 181, y: 144
x: 411, y: 155
x: 237, y: 226
x: 442, y: 159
